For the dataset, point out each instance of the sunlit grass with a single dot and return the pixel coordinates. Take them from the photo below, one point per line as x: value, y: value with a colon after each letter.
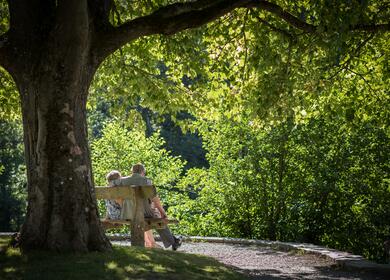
x: 123, y: 263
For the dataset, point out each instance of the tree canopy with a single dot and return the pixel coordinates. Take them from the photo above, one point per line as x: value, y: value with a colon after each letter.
x: 251, y: 61
x: 263, y: 56
x: 250, y: 68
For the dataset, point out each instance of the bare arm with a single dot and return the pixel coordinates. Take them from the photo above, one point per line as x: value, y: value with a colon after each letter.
x: 157, y: 203
x: 119, y: 201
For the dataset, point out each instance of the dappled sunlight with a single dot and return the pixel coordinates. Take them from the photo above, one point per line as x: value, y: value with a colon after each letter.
x: 143, y: 257
x: 112, y: 265
x: 9, y: 269
x: 211, y: 269
x: 160, y: 269
x: 167, y: 264
x: 13, y: 252
x: 129, y: 268
x: 114, y: 269
x: 121, y: 264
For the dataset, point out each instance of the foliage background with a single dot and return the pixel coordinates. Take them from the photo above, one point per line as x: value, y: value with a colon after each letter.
x: 320, y: 182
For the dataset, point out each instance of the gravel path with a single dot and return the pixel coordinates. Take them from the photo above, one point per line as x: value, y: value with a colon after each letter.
x: 266, y: 263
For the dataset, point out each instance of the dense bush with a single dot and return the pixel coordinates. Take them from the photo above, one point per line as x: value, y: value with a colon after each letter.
x: 325, y: 182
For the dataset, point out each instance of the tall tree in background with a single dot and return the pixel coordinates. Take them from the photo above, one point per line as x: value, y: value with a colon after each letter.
x: 52, y: 49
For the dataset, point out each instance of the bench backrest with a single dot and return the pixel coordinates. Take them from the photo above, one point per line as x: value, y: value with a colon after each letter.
x: 134, y: 198
x: 125, y: 192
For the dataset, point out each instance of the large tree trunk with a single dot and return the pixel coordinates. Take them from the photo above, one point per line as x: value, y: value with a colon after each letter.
x: 62, y: 213
x: 53, y: 78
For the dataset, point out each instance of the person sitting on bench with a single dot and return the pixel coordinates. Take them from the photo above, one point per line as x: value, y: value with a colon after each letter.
x: 113, y: 206
x: 150, y: 205
x: 114, y: 209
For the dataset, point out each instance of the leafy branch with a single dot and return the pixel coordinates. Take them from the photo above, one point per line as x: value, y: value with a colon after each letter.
x: 177, y: 17
x: 353, y: 54
x: 245, y: 46
x: 167, y: 20
x: 274, y: 28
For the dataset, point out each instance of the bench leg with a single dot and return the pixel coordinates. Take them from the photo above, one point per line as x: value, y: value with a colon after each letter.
x: 137, y: 235
x: 138, y: 225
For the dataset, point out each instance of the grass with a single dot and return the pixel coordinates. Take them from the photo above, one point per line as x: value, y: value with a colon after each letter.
x: 123, y: 263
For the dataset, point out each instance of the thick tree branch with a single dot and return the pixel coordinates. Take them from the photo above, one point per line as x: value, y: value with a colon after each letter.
x: 180, y: 8
x: 167, y: 20
x: 371, y: 27
x: 180, y: 16
x: 177, y: 17
x: 273, y: 28
x: 279, y: 12
x: 304, y: 26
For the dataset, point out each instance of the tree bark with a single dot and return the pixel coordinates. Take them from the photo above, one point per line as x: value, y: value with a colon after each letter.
x: 53, y: 76
x: 62, y: 213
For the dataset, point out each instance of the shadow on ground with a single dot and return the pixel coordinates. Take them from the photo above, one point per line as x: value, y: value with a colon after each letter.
x: 123, y: 263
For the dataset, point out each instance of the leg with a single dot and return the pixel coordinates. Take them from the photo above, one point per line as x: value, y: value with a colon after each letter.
x: 150, y: 242
x: 148, y: 239
x: 166, y: 236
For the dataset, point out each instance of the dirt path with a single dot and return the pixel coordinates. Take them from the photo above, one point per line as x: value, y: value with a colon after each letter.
x: 266, y: 263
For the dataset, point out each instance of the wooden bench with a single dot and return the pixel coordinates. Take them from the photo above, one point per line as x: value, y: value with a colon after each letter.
x: 138, y: 224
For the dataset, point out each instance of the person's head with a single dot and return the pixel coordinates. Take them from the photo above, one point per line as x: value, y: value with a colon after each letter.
x: 113, y: 175
x: 139, y: 169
